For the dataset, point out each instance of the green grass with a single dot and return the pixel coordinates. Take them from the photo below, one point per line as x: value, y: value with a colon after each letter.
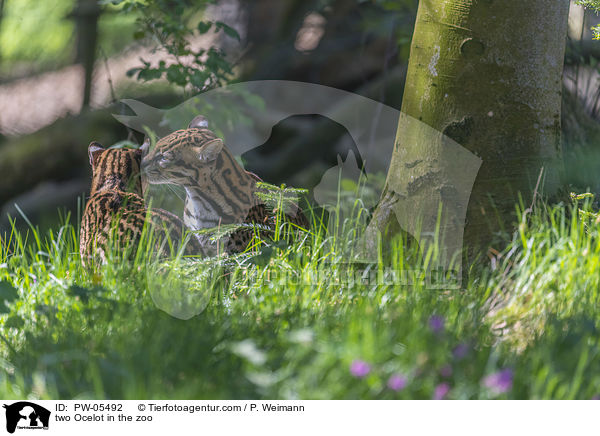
x: 297, y: 322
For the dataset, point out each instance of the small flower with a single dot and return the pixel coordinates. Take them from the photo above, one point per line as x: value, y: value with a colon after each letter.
x: 441, y: 391
x: 460, y: 351
x: 396, y: 382
x: 446, y: 371
x: 360, y: 368
x: 500, y: 381
x: 436, y: 323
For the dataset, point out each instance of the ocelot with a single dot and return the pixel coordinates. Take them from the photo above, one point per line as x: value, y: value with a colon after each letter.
x: 116, y: 208
x: 218, y: 190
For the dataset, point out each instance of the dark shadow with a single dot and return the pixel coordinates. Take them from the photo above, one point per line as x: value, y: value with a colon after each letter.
x: 300, y: 150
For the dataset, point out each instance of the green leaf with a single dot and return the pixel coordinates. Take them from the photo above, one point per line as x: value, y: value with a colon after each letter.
x: 8, y: 292
x: 204, y: 26
x: 216, y: 62
x: 229, y: 31
x: 131, y: 72
x: 198, y: 79
x: 176, y: 75
x: 147, y: 74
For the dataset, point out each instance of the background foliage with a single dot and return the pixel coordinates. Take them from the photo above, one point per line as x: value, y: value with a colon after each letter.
x: 171, y: 24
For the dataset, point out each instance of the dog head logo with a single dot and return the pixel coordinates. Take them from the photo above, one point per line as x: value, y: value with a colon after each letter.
x: 26, y: 415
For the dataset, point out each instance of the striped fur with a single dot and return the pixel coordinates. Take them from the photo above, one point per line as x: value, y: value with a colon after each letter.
x: 116, y: 207
x: 218, y: 190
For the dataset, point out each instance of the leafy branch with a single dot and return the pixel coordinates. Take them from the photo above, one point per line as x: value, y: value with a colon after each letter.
x: 595, y: 6
x: 172, y: 24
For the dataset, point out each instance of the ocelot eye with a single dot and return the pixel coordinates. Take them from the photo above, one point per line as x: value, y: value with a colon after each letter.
x: 164, y: 161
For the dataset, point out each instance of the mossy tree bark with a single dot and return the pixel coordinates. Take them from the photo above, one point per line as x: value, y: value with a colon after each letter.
x: 487, y: 74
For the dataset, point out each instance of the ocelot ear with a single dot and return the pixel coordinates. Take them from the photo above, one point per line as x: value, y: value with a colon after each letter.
x: 199, y: 122
x: 95, y: 149
x: 210, y: 151
x: 145, y: 147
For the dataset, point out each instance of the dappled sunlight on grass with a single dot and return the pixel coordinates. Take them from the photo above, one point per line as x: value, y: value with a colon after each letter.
x: 295, y: 320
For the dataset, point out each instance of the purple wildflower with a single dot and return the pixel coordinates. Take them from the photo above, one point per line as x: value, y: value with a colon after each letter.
x: 500, y: 381
x: 460, y: 351
x: 360, y: 368
x: 436, y: 323
x: 441, y: 391
x: 446, y: 371
x: 396, y: 382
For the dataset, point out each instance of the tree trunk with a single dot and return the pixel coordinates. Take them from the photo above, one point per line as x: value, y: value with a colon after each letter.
x: 86, y: 15
x: 486, y: 74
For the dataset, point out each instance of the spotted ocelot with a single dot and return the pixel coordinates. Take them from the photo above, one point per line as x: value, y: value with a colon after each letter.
x: 218, y: 190
x: 115, y: 213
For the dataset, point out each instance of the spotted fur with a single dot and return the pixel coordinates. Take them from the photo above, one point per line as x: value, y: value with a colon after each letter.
x: 218, y: 190
x: 116, y: 208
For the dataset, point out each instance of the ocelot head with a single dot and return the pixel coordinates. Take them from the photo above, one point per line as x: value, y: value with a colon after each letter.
x: 115, y: 169
x: 185, y: 157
